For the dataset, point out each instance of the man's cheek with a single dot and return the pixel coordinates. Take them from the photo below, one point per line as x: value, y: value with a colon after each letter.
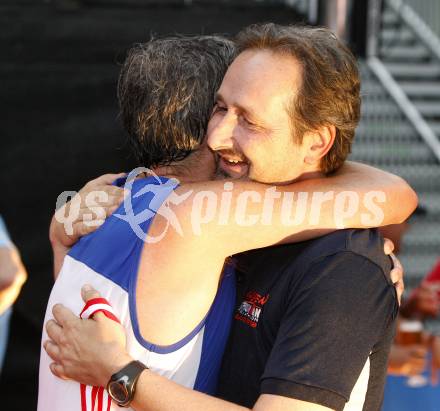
x: 212, y: 124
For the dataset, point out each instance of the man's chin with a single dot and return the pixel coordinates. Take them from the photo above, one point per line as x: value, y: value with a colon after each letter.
x: 236, y: 171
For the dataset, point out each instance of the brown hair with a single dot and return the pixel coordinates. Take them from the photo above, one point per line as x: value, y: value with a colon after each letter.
x: 330, y: 90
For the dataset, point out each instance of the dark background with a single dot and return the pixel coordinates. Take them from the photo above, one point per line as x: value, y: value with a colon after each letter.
x: 59, y: 126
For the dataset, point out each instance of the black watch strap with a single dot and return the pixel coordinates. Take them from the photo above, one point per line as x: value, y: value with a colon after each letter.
x: 122, y: 385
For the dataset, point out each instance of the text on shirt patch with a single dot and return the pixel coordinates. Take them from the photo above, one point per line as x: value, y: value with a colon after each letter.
x: 250, y: 309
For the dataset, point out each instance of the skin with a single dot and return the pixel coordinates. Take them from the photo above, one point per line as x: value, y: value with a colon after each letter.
x: 61, y: 241
x: 70, y: 336
x: 12, y: 277
x: 194, y: 255
x: 396, y: 232
x: 252, y: 124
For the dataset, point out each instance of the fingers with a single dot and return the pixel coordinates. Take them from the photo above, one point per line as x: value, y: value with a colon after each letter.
x: 57, y: 370
x: 89, y: 213
x: 388, y: 246
x: 54, y: 331
x: 52, y: 349
x: 88, y: 209
x: 400, y: 288
x: 80, y: 228
x: 63, y: 316
x: 108, y: 188
x: 102, y: 197
x: 396, y: 273
x: 88, y: 293
x: 397, y: 266
x: 54, y: 353
x: 90, y: 218
x: 107, y: 179
x: 396, y: 276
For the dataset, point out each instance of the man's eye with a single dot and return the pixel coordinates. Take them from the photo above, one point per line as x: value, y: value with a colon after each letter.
x: 249, y: 123
x: 218, y: 109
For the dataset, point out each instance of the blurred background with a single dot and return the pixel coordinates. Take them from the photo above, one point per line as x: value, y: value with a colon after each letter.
x: 59, y: 67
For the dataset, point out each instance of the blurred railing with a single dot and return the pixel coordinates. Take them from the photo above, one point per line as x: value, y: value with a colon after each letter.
x: 418, y: 25
x: 405, y: 104
x: 429, y: 11
x: 427, y: 36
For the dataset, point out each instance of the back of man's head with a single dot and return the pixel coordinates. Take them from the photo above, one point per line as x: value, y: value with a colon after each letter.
x: 166, y: 93
x: 330, y: 90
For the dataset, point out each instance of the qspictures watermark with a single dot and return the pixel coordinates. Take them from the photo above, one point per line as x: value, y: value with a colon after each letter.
x: 269, y: 206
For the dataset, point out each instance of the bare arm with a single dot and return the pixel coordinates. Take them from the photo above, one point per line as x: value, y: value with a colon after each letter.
x: 155, y: 393
x: 261, y: 215
x: 269, y: 229
x: 194, y: 260
x: 90, y: 351
x: 80, y: 216
x: 206, y: 242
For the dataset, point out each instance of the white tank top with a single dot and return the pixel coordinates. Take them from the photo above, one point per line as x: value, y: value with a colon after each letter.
x: 108, y: 260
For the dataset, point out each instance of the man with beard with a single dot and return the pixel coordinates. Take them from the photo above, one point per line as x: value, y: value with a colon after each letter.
x: 313, y: 321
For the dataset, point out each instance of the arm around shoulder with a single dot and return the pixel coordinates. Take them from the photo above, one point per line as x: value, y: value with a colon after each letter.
x: 400, y: 199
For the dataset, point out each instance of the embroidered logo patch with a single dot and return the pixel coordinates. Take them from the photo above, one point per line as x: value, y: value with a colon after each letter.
x: 250, y: 309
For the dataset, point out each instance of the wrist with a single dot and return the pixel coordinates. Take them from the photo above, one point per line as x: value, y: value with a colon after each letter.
x: 58, y: 237
x: 114, y: 366
x: 122, y: 385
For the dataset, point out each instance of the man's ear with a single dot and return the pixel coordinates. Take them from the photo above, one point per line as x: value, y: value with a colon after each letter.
x: 319, y: 142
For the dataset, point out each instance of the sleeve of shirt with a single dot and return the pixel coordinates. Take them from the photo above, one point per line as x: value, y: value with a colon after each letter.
x: 5, y: 240
x: 342, y: 309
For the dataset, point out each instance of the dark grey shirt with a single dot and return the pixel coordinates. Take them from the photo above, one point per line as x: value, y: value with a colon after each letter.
x: 309, y: 318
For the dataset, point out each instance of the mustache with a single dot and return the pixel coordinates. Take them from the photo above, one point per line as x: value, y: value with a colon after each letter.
x: 232, y: 154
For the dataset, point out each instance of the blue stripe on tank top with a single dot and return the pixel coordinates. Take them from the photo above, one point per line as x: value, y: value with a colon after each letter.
x: 216, y: 333
x: 222, y: 302
x: 114, y: 251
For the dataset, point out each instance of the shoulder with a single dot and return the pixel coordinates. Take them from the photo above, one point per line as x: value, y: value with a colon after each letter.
x: 347, y: 250
x: 344, y: 273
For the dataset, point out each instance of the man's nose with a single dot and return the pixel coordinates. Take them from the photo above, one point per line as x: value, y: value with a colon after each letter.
x: 221, y: 136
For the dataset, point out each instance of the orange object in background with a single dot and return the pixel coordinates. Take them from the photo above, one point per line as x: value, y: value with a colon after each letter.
x: 409, y: 332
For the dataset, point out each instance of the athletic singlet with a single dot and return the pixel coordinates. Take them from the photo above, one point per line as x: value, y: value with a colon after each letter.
x: 108, y: 259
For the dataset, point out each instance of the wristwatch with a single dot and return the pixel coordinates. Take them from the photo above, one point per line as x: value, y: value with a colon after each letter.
x: 122, y: 385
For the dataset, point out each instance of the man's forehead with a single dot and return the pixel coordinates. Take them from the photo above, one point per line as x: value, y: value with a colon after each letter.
x: 261, y: 74
x: 264, y: 63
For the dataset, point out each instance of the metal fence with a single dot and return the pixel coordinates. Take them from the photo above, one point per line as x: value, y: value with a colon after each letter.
x: 429, y: 11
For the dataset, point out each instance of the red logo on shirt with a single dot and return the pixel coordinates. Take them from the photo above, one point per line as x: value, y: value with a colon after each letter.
x: 250, y: 309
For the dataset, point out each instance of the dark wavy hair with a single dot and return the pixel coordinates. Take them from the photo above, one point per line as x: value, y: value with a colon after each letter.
x: 166, y: 93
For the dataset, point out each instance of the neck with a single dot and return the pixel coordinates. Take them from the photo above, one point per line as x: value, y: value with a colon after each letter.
x: 174, y: 171
x: 310, y: 175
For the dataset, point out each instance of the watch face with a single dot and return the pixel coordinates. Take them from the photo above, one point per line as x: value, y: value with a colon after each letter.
x: 118, y: 391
